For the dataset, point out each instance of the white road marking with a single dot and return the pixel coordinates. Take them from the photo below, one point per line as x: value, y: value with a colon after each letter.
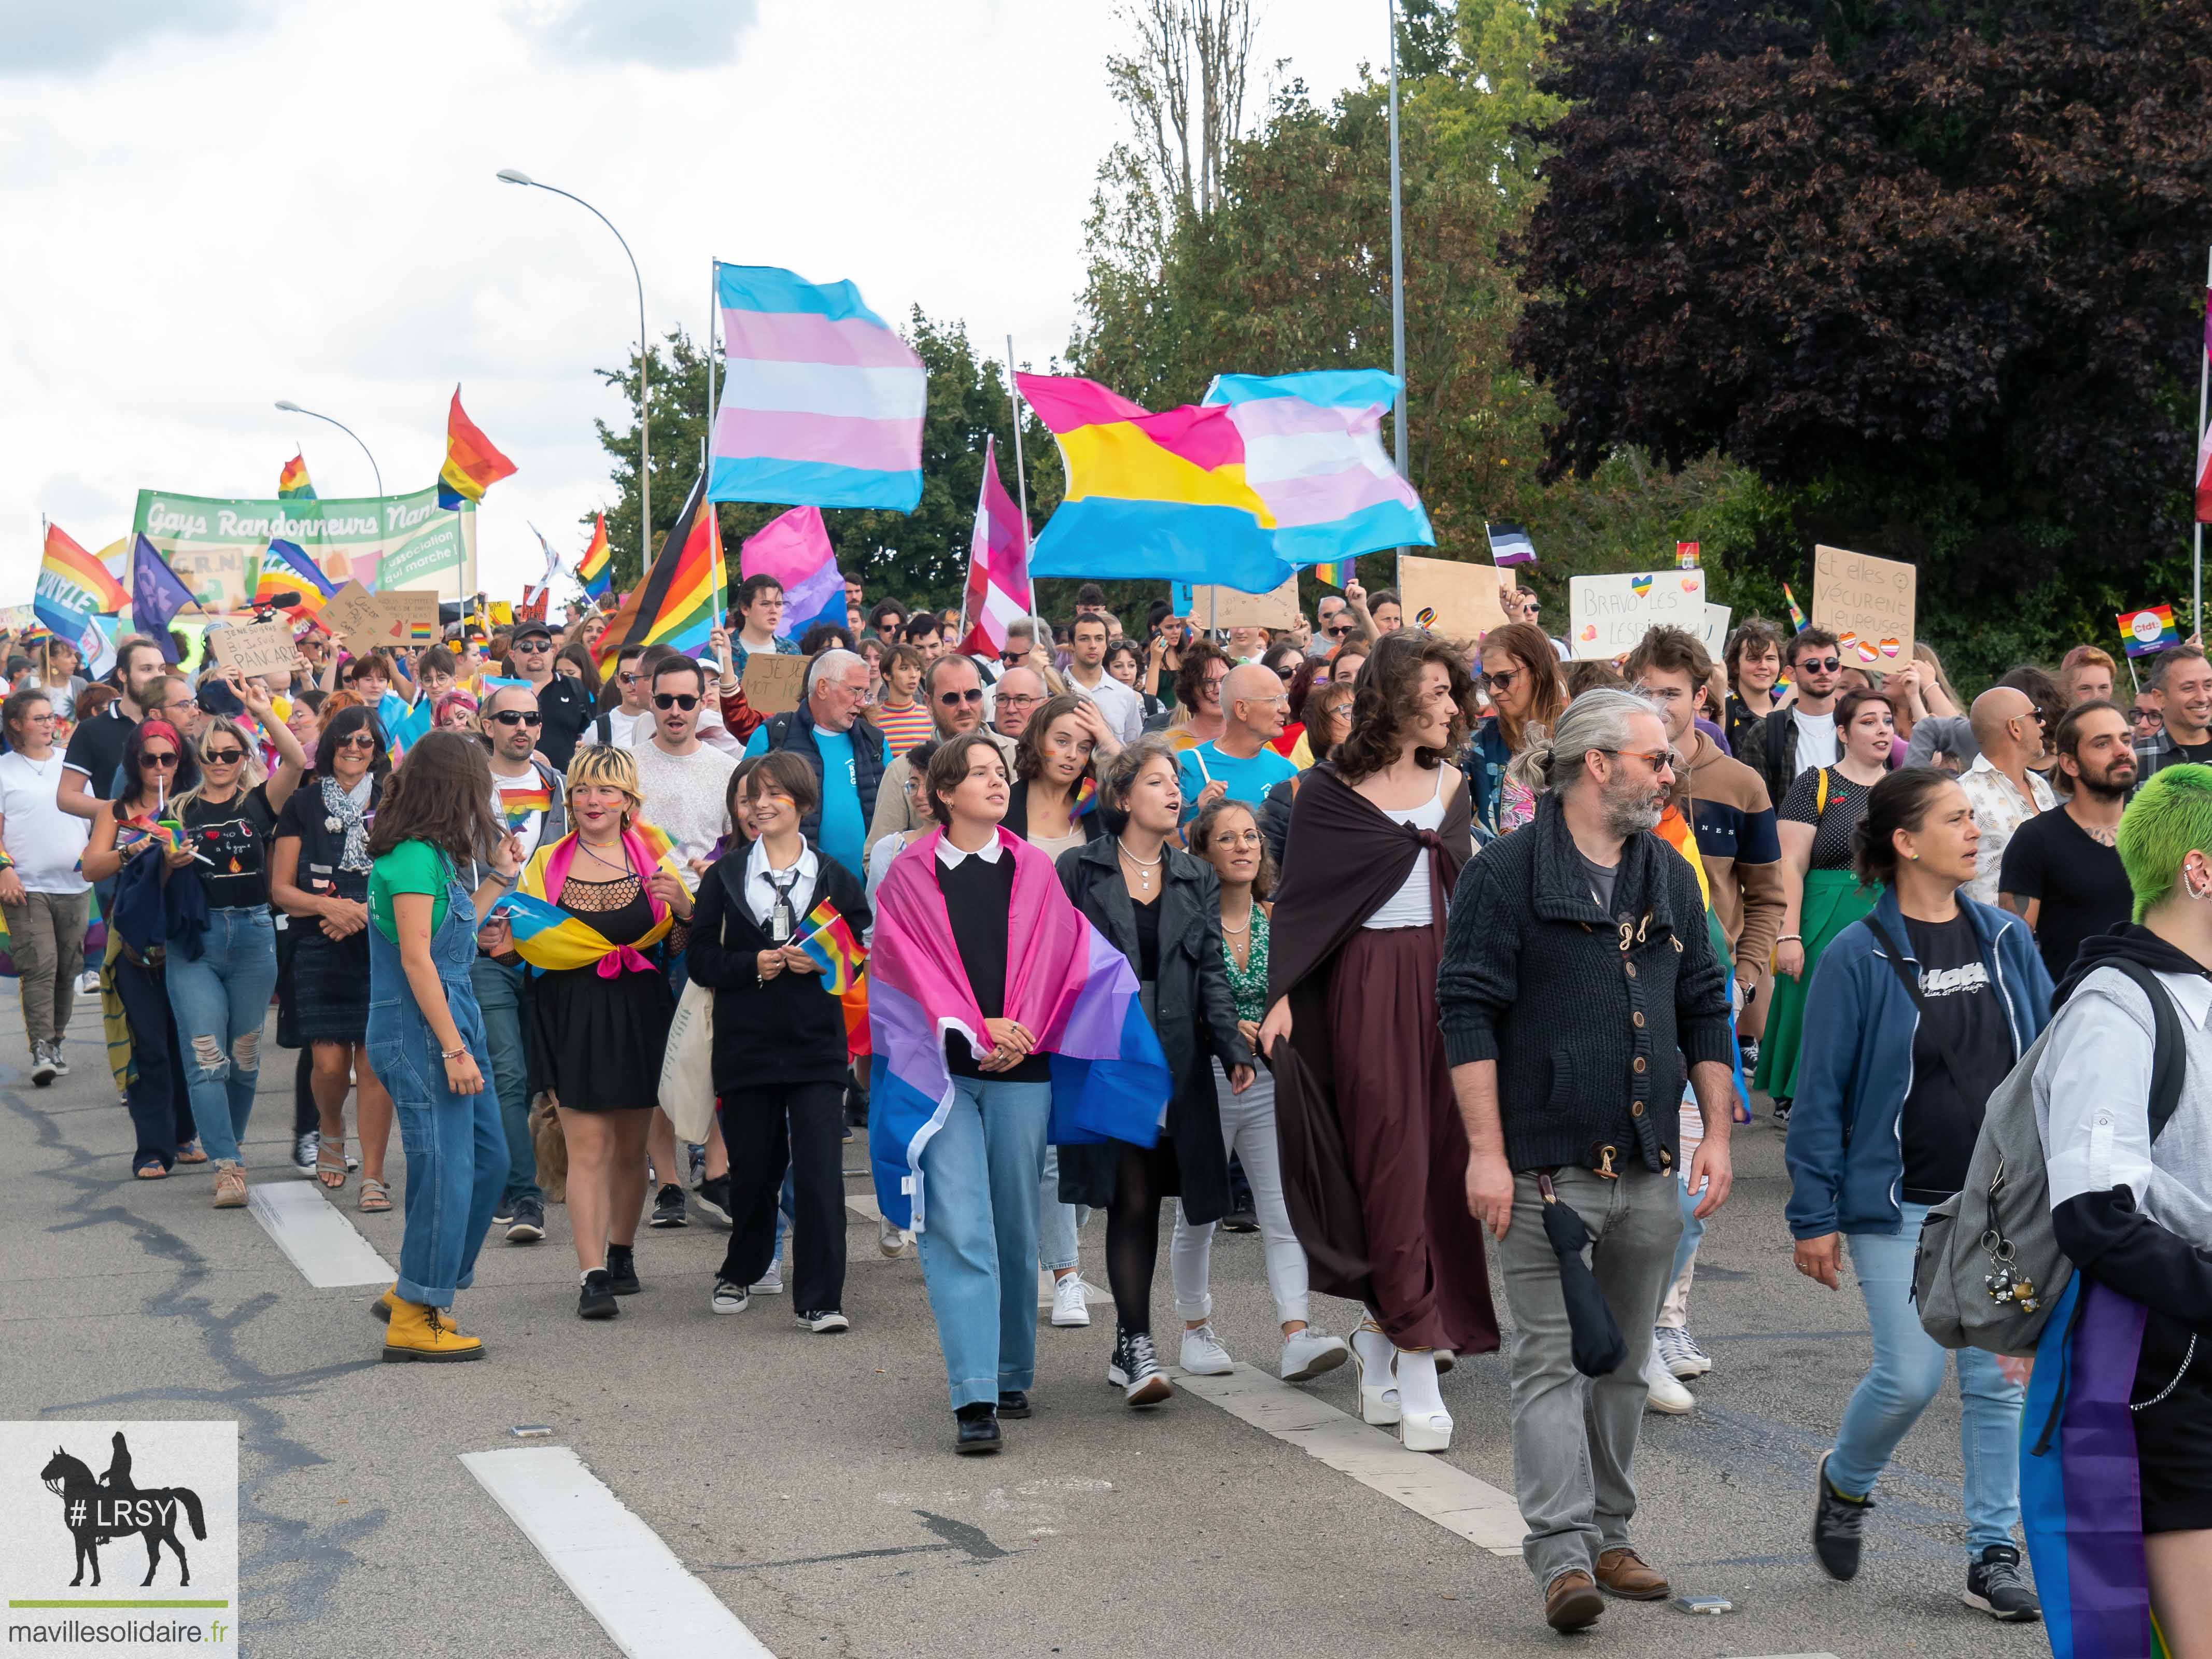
x: 864, y: 1203
x: 317, y: 1239
x: 611, y: 1560
x: 1428, y: 1486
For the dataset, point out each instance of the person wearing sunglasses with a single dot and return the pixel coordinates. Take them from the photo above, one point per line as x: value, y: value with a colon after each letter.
x: 220, y: 996
x: 1802, y: 735
x: 319, y: 871
x: 1521, y: 676
x: 954, y: 690
x: 564, y: 704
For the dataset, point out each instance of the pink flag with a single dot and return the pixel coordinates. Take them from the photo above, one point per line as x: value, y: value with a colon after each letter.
x: 2204, y: 436
x: 997, y: 564
x: 794, y: 547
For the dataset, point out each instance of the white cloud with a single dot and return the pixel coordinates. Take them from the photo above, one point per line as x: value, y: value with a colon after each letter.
x: 305, y: 209
x: 51, y: 38
x: 677, y: 34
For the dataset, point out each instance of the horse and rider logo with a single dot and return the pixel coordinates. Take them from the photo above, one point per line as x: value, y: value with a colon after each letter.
x: 97, y: 1512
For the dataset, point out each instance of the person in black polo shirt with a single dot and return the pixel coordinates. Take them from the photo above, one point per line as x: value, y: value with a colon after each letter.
x: 2060, y: 874
x: 563, y: 705
x: 94, y: 759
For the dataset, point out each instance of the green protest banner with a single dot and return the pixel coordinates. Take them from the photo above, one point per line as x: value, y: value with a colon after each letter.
x: 380, y: 541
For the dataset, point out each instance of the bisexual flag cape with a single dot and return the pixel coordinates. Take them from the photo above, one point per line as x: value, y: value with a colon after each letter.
x: 2080, y: 1487
x: 1065, y: 981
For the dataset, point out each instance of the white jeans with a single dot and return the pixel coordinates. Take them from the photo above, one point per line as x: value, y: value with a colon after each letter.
x: 1248, y: 1129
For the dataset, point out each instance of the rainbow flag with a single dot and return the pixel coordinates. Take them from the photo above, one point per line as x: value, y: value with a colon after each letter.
x: 292, y: 484
x: 1269, y: 475
x: 518, y: 802
x: 1675, y: 831
x: 1340, y: 573
x: 290, y: 582
x: 833, y: 945
x: 596, y: 568
x: 855, y: 1001
x: 2149, y: 630
x: 1797, y: 624
x: 74, y: 591
x: 473, y: 463
x: 1086, y: 797
x: 686, y: 593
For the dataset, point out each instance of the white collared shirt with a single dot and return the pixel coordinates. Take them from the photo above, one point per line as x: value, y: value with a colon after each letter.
x: 950, y: 856
x: 760, y: 891
x: 1999, y: 810
x: 1123, y: 708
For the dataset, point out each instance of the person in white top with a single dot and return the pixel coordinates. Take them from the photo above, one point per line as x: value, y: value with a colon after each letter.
x: 1087, y: 678
x: 44, y: 897
x: 2000, y: 787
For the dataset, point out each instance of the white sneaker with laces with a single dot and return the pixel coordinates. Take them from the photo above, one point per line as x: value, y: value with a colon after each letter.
x: 1203, y: 1354
x: 1308, y: 1353
x: 771, y: 1282
x: 1681, y: 1357
x: 728, y: 1298
x: 1690, y: 1346
x: 891, y: 1240
x: 1069, y: 1307
x: 61, y: 1060
x: 88, y: 982
x: 1663, y: 1392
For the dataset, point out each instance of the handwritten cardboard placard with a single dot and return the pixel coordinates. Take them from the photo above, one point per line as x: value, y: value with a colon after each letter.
x: 1716, y: 630
x: 1868, y: 604
x: 1230, y: 607
x: 1448, y: 596
x: 348, y: 611
x: 405, y: 616
x: 1607, y: 616
x: 257, y: 648
x: 773, y: 684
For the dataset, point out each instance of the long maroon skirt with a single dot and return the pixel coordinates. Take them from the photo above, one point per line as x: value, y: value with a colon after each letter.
x: 1407, y: 1146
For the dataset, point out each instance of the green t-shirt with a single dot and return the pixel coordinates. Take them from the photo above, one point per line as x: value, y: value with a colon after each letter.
x: 413, y: 867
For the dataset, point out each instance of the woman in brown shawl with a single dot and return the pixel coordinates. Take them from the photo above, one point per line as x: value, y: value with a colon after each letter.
x: 1374, y: 1153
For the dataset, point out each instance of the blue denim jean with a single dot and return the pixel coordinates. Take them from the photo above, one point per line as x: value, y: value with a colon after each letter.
x: 219, y: 1003
x: 1057, y: 1222
x: 500, y: 991
x: 456, y: 1148
x: 1908, y: 1370
x: 979, y: 1234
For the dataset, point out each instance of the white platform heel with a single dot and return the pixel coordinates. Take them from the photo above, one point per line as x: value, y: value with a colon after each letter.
x: 1374, y: 1362
x: 1424, y: 1425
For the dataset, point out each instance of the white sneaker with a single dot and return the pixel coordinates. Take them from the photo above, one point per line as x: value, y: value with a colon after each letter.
x: 54, y: 1054
x: 1068, y: 1305
x: 1663, y: 1393
x: 891, y: 1240
x: 1203, y: 1354
x: 771, y: 1282
x: 88, y: 982
x: 1681, y: 1357
x: 1308, y: 1353
x: 42, y: 1065
x: 728, y: 1298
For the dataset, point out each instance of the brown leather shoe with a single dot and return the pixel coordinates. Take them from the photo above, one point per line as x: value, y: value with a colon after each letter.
x: 1571, y: 1601
x: 1623, y: 1572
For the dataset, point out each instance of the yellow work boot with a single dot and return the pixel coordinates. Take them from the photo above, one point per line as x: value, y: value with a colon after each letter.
x: 384, y: 1304
x: 421, y: 1332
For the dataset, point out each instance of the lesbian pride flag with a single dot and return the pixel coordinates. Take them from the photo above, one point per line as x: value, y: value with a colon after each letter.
x: 1065, y: 981
x: 824, y: 401
x: 998, y: 565
x: 794, y: 547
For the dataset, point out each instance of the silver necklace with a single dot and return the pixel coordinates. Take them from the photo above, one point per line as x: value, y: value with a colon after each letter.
x: 1145, y: 867
x: 1229, y: 927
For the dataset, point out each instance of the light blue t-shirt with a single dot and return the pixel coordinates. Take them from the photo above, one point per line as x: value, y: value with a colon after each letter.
x: 1248, y: 781
x: 844, y: 830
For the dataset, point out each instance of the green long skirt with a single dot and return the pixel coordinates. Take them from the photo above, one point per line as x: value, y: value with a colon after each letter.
x: 1834, y: 901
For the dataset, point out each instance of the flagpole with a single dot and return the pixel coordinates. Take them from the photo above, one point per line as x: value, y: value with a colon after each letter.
x: 2203, y: 379
x: 1021, y: 479
x: 713, y: 309
x: 1398, y: 283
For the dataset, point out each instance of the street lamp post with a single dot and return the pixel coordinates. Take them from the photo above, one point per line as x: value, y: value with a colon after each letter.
x: 1397, y: 280
x: 291, y: 408
x: 516, y: 176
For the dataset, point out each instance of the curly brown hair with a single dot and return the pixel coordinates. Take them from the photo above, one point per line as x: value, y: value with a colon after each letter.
x: 1207, y: 823
x: 440, y: 793
x: 1387, y: 701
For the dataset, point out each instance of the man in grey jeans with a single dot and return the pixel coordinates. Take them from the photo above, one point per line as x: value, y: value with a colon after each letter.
x: 1578, y: 983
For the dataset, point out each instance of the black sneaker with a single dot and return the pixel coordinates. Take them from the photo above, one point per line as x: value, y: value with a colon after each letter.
x: 621, y: 1270
x: 504, y: 1215
x: 668, y: 1208
x: 1013, y: 1403
x: 714, y: 1196
x: 596, y: 1299
x: 1239, y: 1220
x: 1782, y: 1111
x: 1135, y: 1369
x: 977, y: 1429
x: 1837, y: 1521
x: 1996, y: 1585
x: 527, y: 1224
x: 827, y: 1321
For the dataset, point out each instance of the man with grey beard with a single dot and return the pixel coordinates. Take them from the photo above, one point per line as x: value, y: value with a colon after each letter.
x: 1578, y: 985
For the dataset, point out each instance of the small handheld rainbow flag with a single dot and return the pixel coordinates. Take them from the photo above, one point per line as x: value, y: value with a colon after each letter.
x: 1086, y: 798
x: 1342, y: 574
x: 516, y: 804
x: 832, y: 944
x: 2149, y: 630
x: 1797, y: 624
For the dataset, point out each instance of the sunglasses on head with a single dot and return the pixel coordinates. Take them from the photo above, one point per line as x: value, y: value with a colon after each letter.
x: 223, y: 756
x: 682, y: 700
x: 518, y: 717
x: 954, y: 699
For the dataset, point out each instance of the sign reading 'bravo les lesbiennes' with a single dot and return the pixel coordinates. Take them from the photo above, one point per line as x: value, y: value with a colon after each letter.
x: 1868, y: 604
x: 1609, y: 616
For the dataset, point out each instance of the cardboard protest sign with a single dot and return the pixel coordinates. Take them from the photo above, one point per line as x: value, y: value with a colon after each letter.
x: 1716, y: 631
x: 1448, y: 596
x: 1607, y: 616
x: 1231, y: 607
x: 256, y: 648
x: 348, y: 611
x: 1868, y: 604
x: 362, y: 619
x: 773, y: 684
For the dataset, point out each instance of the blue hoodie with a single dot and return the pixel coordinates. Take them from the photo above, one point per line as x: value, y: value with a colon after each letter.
x: 1845, y: 1156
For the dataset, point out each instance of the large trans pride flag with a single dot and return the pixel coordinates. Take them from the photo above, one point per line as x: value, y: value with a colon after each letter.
x: 1269, y: 475
x: 1065, y: 981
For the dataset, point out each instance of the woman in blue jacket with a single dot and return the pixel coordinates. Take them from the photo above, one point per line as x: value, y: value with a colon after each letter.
x: 1915, y: 1013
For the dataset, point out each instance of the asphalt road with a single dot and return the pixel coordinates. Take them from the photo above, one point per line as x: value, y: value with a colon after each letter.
x: 808, y: 1480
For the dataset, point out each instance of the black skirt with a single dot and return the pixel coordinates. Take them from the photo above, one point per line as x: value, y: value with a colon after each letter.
x: 2174, y: 1437
x: 597, y: 1043
x: 330, y: 985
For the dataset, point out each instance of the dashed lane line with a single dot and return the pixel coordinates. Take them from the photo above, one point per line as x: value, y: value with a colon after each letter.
x: 647, y: 1601
x: 318, y: 1241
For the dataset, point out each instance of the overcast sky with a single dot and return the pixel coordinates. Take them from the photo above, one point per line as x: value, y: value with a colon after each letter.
x: 213, y: 204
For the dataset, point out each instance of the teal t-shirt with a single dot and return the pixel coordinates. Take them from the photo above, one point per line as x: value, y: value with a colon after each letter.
x: 1248, y: 781
x: 413, y: 867
x: 844, y: 831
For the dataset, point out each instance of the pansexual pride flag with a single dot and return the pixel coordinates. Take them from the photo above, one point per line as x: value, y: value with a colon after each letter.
x: 473, y: 463
x: 292, y: 484
x: 686, y: 593
x: 1266, y: 476
x: 794, y: 547
x: 596, y: 570
x: 832, y: 944
x: 824, y: 401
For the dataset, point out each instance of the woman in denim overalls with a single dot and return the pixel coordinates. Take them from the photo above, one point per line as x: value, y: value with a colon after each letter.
x: 432, y: 1055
